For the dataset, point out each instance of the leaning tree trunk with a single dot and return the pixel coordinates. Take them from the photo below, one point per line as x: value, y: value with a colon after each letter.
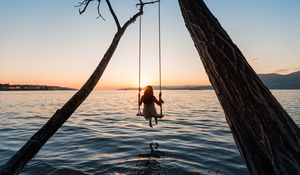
x: 31, y: 148
x: 267, y: 137
x: 36, y: 142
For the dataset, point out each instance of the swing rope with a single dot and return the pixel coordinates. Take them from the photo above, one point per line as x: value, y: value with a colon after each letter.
x: 159, y: 55
x: 140, y: 56
x: 140, y: 59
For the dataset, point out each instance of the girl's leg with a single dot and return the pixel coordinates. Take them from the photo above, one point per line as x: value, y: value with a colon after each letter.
x: 150, y: 122
x: 155, y: 120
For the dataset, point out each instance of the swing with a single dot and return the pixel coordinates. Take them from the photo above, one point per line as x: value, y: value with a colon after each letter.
x: 160, y: 115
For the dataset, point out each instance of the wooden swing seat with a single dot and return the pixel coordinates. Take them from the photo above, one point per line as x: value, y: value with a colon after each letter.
x: 158, y: 115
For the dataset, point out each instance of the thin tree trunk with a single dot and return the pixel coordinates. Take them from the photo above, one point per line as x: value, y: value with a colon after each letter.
x: 36, y: 142
x: 31, y: 148
x: 267, y: 137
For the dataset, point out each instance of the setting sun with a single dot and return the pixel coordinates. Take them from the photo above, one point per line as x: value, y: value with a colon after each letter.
x: 145, y: 83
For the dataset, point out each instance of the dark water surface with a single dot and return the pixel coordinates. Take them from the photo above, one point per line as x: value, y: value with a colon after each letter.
x: 105, y: 137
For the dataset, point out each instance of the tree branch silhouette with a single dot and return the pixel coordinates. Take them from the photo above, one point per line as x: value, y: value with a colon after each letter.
x: 113, y: 14
x: 19, y: 160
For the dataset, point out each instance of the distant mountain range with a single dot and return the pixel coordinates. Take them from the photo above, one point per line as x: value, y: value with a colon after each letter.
x: 272, y: 81
x: 277, y: 81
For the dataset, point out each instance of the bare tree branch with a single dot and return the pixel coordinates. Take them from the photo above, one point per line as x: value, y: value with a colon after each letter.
x: 141, y: 11
x: 98, y: 10
x: 85, y: 3
x: 80, y: 3
x: 141, y: 5
x: 145, y: 3
x: 113, y: 14
x: 133, y: 18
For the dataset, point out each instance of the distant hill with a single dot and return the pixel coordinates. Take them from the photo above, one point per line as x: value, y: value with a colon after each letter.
x: 22, y: 87
x: 272, y: 81
x: 278, y: 81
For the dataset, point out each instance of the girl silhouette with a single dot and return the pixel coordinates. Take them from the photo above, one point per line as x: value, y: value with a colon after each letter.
x: 149, y: 99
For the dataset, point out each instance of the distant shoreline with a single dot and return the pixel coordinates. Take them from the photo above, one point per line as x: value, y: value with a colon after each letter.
x: 26, y: 87
x: 272, y: 81
x: 6, y: 87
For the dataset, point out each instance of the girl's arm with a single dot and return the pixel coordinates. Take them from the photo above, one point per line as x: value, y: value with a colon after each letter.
x: 141, y: 101
x: 158, y: 102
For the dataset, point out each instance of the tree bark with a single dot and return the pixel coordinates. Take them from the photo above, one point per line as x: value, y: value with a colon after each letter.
x: 266, y: 136
x: 36, y: 142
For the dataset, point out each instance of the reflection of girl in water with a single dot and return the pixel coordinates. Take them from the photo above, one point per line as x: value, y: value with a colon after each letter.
x: 154, y: 150
x: 151, y: 165
x: 149, y: 99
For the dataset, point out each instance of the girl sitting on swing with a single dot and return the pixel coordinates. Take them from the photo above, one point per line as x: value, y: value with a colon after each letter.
x: 149, y: 99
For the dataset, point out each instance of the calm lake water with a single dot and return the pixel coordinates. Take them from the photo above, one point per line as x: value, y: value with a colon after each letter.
x: 104, y: 136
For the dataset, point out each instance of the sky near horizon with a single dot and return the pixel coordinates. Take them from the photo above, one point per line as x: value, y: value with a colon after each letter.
x: 48, y: 42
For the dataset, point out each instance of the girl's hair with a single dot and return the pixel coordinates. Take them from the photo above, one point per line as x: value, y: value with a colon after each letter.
x: 148, y: 95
